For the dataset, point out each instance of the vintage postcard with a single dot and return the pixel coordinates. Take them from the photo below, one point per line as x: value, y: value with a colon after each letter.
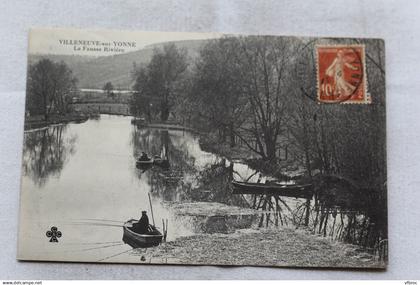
x: 204, y: 149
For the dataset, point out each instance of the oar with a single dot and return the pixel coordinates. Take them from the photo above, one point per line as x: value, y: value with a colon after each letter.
x: 95, y: 224
x: 111, y: 256
x: 103, y: 220
x: 91, y: 243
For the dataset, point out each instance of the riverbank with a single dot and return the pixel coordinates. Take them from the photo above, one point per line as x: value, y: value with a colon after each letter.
x: 282, y: 170
x: 168, y: 125
x: 285, y: 247
x: 238, y: 152
x: 37, y: 122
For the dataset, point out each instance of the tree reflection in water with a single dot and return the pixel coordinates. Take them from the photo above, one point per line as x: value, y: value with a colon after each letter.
x: 343, y: 211
x: 184, y: 181
x: 338, y: 210
x: 46, y: 152
x: 215, y: 185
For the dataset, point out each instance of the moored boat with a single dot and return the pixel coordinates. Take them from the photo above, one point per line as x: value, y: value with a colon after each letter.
x: 297, y: 191
x: 162, y: 162
x: 135, y: 240
x: 139, y: 121
x: 144, y: 162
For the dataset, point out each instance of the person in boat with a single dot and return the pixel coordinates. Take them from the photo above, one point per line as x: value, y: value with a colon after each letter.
x: 144, y: 156
x: 142, y: 226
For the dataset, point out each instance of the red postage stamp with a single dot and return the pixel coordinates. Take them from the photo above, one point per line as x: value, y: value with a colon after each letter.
x: 341, y: 74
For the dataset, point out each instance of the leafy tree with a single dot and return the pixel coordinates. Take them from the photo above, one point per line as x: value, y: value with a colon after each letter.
x: 109, y: 88
x: 50, y: 86
x: 141, y: 103
x: 265, y: 65
x: 217, y: 88
x: 244, y: 87
x: 159, y: 83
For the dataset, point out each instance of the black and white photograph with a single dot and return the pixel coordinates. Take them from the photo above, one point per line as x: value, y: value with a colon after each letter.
x: 204, y: 149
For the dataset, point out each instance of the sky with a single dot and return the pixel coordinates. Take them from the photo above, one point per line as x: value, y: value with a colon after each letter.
x: 101, y: 42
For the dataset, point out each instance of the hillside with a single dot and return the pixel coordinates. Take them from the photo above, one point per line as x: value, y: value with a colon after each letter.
x: 94, y: 72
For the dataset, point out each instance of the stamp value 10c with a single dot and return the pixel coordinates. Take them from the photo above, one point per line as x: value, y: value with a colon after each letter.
x: 341, y: 74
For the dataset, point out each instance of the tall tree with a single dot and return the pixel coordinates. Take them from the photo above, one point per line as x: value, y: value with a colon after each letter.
x: 265, y: 75
x: 217, y: 88
x: 109, y: 88
x: 250, y: 75
x: 141, y: 103
x: 160, y: 81
x: 50, y: 86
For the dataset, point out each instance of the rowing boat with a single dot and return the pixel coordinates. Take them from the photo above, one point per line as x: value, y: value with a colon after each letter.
x: 144, y: 163
x: 135, y: 240
x: 164, y: 163
x: 297, y: 191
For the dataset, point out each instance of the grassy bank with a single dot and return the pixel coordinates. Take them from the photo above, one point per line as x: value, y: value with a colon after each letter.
x: 285, y: 247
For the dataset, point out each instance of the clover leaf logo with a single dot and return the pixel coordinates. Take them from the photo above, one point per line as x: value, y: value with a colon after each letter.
x: 53, y: 234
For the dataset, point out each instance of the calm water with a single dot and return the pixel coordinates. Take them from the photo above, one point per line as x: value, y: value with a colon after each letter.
x: 82, y: 179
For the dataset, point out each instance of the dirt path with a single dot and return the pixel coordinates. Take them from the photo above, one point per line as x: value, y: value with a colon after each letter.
x: 284, y: 247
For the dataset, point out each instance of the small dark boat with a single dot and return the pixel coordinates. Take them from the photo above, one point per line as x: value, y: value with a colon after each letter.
x: 139, y: 121
x: 297, y: 191
x: 164, y: 163
x: 144, y: 162
x: 135, y: 240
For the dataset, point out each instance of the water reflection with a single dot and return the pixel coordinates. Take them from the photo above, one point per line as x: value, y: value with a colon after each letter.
x: 193, y: 176
x: 338, y: 210
x: 100, y: 181
x: 187, y: 179
x: 46, y: 152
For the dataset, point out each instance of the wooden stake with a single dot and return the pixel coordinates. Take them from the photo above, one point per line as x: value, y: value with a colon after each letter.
x: 166, y: 229
x: 151, y: 209
x: 163, y: 229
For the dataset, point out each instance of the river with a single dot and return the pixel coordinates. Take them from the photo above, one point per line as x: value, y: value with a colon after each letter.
x: 82, y: 179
